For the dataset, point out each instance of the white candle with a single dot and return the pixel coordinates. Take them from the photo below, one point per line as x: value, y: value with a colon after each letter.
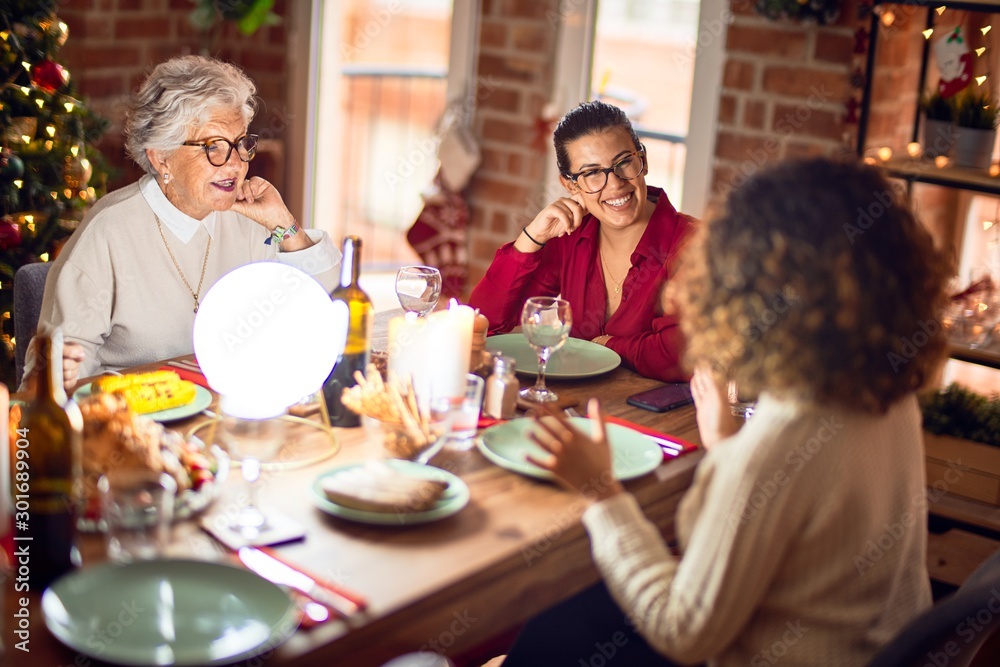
x: 433, y: 351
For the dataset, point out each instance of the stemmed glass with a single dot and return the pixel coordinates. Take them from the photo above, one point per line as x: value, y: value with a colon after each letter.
x: 545, y: 321
x: 418, y: 288
x: 251, y: 440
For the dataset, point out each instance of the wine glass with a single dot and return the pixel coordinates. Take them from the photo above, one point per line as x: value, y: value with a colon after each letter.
x: 251, y: 440
x: 418, y: 288
x: 545, y: 321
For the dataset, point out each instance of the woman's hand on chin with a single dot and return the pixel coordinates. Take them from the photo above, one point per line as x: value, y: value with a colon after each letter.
x: 258, y: 200
x: 711, y: 401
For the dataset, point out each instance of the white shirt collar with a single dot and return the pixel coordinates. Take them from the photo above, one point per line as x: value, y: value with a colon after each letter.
x: 179, y: 223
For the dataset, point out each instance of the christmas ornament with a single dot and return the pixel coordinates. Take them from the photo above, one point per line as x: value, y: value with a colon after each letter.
x: 11, y: 166
x: 954, y: 61
x: 78, y: 171
x: 49, y: 75
x: 10, y: 233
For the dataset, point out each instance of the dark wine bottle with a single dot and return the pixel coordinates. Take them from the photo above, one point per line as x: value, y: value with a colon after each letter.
x: 359, y: 330
x: 52, y: 426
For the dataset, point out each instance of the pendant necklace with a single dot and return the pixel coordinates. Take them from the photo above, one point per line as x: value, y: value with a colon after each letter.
x: 618, y: 283
x: 194, y: 293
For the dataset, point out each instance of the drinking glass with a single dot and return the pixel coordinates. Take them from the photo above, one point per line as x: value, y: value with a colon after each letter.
x: 251, y: 441
x: 545, y: 321
x: 418, y: 288
x: 137, y: 507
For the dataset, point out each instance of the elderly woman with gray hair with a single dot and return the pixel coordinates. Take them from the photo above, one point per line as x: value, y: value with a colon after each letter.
x: 126, y: 287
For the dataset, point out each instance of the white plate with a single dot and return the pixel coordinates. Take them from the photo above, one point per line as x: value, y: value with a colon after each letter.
x: 578, y: 358
x: 508, y: 445
x: 455, y: 497
x: 168, y: 612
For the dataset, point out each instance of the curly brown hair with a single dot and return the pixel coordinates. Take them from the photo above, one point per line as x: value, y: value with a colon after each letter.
x: 815, y: 280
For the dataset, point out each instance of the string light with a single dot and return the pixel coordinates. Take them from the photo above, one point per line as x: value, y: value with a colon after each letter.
x: 67, y: 193
x: 987, y: 224
x: 26, y: 65
x: 83, y: 195
x: 927, y: 33
x: 75, y: 150
x: 986, y: 29
x: 940, y: 10
x: 30, y: 219
x: 888, y: 17
x: 40, y: 103
x: 980, y: 80
x: 25, y: 138
x: 869, y: 160
x: 4, y: 34
x: 50, y: 130
x: 995, y: 170
x: 44, y: 257
x: 48, y: 145
x: 18, y: 182
x: 980, y: 50
x: 884, y: 153
x: 68, y: 106
x: 25, y: 90
x: 941, y: 161
x: 55, y: 195
x: 85, y: 163
x: 92, y: 192
x: 913, y: 149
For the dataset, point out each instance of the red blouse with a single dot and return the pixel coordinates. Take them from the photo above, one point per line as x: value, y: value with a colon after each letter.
x: 646, y: 339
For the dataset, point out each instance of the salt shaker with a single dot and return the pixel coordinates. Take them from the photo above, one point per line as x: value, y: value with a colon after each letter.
x: 501, y: 390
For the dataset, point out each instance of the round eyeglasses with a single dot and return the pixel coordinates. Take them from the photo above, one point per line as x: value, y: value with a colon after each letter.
x: 218, y: 150
x: 593, y: 181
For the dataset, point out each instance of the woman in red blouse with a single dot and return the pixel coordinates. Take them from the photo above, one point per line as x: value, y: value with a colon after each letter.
x: 608, y: 247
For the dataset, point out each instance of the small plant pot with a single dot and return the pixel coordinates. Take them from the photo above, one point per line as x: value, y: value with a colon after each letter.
x: 973, y: 147
x: 938, y: 137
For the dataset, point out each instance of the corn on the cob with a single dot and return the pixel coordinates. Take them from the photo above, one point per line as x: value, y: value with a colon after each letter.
x: 149, y: 392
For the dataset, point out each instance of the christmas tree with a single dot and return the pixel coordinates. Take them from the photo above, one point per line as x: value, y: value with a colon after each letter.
x: 50, y: 171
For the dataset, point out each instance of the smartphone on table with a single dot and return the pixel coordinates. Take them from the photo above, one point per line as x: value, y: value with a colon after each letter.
x: 661, y: 399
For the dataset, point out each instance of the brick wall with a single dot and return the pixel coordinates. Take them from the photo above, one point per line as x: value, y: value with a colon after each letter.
x: 114, y: 43
x: 783, y: 92
x: 514, y: 71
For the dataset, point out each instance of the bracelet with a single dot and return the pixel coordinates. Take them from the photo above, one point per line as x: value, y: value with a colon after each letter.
x: 530, y: 238
x: 280, y: 234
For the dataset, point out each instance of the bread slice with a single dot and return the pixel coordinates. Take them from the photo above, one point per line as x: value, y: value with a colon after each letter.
x: 377, y: 487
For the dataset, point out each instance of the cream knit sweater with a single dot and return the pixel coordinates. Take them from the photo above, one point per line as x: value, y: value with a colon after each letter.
x: 803, y: 542
x: 115, y: 291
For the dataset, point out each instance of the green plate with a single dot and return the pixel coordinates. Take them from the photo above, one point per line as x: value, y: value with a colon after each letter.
x: 578, y: 358
x: 202, y: 399
x: 455, y: 497
x: 168, y: 612
x: 507, y: 445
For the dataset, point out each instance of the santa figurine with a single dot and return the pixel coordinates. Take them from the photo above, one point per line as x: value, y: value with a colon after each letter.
x: 954, y: 62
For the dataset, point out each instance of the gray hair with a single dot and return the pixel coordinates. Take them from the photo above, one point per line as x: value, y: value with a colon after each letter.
x: 177, y: 96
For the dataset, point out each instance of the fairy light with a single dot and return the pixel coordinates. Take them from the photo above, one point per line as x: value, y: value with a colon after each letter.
x: 63, y: 27
x: 55, y: 195
x: 25, y: 139
x: 50, y: 130
x: 67, y: 193
x: 92, y: 192
x: 30, y: 219
x: 75, y: 150
x: 4, y: 34
x: 26, y: 65
x: 986, y: 29
x: 31, y: 227
x: 83, y: 195
x: 980, y: 50
x: 980, y: 80
x: 941, y: 161
x: 987, y: 224
x: 927, y: 33
x: 44, y: 257
x: 869, y: 160
x: 18, y: 182
x: 68, y: 106
x: 49, y: 145
x: 25, y: 90
x: 40, y: 103
x: 940, y: 10
x: 888, y: 17
x: 995, y: 170
x: 913, y: 149
x: 884, y: 153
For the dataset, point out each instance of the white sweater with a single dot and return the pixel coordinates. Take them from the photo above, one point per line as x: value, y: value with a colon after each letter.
x: 115, y: 291
x: 803, y: 542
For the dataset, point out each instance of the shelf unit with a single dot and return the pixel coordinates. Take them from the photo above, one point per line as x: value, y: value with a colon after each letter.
x: 917, y: 170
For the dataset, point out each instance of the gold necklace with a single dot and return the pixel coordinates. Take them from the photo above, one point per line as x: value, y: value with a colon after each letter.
x: 204, y: 264
x: 618, y: 283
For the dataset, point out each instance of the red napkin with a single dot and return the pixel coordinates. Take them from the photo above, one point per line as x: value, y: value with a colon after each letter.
x: 645, y: 430
x: 190, y: 376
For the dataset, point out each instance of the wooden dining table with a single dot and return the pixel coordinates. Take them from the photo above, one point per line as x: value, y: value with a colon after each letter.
x: 516, y: 549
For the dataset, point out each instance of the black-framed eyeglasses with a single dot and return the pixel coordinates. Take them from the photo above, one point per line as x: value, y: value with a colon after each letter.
x: 218, y: 150
x: 593, y: 180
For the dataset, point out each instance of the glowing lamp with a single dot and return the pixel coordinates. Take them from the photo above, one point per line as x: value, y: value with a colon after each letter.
x: 913, y: 149
x: 941, y: 161
x: 267, y: 335
x: 884, y: 153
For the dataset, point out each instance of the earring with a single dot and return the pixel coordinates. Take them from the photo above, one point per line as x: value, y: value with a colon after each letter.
x: 166, y: 177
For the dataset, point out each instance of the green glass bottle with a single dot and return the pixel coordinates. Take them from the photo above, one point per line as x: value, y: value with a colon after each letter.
x: 53, y: 426
x: 359, y: 332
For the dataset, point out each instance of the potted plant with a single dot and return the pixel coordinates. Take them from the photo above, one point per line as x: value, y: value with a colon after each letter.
x: 962, y: 443
x: 976, y: 118
x: 937, y: 128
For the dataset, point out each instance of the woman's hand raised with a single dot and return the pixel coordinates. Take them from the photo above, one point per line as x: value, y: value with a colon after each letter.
x: 579, y: 461
x: 262, y: 203
x: 715, y: 421
x: 561, y: 217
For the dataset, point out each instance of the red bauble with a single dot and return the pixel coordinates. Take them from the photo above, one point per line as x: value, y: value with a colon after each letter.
x: 49, y: 75
x: 10, y: 233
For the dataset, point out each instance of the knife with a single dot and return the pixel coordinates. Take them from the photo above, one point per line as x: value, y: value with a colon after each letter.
x: 275, y: 571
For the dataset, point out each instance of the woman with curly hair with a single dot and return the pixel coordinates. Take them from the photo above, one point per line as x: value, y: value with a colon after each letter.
x: 803, y: 535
